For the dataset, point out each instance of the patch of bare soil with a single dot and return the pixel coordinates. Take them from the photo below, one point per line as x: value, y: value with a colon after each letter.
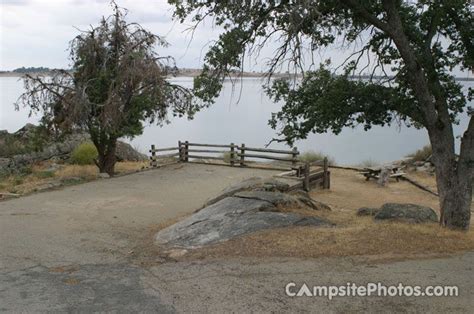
x: 352, y: 235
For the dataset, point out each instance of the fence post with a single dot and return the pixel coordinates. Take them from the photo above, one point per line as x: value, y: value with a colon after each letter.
x: 326, y: 183
x: 294, y: 156
x: 242, y: 155
x: 153, y: 156
x: 232, y: 154
x: 180, y: 152
x: 186, y: 151
x: 306, y: 177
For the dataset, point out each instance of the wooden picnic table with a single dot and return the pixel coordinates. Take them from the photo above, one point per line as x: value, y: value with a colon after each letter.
x: 374, y: 172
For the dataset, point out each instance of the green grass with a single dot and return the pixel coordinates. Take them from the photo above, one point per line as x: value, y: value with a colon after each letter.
x: 312, y: 156
x: 84, y: 154
x: 421, y: 154
x: 44, y: 174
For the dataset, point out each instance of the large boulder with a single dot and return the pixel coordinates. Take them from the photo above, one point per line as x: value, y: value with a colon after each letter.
x: 251, y: 184
x: 367, y: 211
x: 233, y: 216
x: 125, y: 152
x: 407, y: 212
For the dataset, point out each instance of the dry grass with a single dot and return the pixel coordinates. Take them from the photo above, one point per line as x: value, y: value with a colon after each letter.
x: 39, y: 176
x: 353, y: 235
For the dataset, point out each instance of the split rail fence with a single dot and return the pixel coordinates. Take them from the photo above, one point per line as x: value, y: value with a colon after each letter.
x: 308, y: 174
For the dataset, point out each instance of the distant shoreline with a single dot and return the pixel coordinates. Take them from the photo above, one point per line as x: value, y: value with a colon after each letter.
x: 196, y: 72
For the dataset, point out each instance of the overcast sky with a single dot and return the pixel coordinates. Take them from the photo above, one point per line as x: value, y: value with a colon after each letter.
x: 37, y: 32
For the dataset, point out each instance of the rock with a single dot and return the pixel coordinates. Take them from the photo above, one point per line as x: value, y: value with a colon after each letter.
x: 71, y: 180
x: 50, y: 150
x: 53, y: 167
x: 408, y: 212
x: 274, y: 198
x: 367, y: 211
x: 251, y: 184
x: 418, y: 163
x: 103, y: 175
x: 176, y: 253
x: 304, y: 198
x: 125, y: 152
x: 4, y: 163
x: 48, y: 186
x: 231, y: 217
x: 426, y: 167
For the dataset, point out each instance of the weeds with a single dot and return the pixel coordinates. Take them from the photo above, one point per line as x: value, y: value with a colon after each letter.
x: 421, y: 154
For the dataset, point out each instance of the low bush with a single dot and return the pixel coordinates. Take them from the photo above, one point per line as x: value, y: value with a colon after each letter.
x: 421, y: 154
x: 84, y: 154
x: 44, y: 174
x: 368, y: 163
x: 312, y: 156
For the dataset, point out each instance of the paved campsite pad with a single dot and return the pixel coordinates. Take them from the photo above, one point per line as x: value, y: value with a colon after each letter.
x: 70, y: 250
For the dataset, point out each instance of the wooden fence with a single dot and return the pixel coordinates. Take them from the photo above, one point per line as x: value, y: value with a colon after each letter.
x: 309, y: 174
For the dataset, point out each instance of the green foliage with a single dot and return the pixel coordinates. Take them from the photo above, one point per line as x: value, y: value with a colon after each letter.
x: 421, y: 154
x: 84, y: 154
x: 328, y: 99
x: 226, y: 156
x: 311, y: 156
x: 26, y: 170
x: 15, y: 144
x: 44, y: 174
x: 116, y: 83
x: 11, y: 147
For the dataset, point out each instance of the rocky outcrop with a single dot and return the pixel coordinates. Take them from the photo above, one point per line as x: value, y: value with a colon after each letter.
x: 242, y: 208
x: 231, y: 217
x: 60, y: 150
x: 251, y: 184
x: 367, y: 211
x: 53, y: 150
x: 125, y: 152
x: 406, y: 212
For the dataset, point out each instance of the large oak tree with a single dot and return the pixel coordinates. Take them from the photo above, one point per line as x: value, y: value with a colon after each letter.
x: 419, y: 43
x: 117, y: 81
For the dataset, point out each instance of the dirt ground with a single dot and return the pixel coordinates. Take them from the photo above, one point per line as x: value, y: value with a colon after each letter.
x: 353, y: 235
x: 88, y: 247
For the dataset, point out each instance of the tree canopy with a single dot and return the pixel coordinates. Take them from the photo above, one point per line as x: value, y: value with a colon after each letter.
x: 117, y: 82
x: 415, y: 45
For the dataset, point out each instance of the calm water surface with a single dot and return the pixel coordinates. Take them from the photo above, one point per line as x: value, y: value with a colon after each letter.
x: 245, y: 120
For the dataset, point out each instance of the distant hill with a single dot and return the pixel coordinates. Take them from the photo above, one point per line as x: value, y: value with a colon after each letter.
x: 31, y: 70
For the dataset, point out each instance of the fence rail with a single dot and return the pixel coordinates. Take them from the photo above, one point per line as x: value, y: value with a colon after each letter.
x: 242, y: 156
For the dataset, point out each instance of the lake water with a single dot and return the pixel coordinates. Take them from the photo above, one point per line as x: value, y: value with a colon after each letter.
x: 240, y: 115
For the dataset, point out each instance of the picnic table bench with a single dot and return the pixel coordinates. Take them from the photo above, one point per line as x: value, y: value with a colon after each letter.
x: 374, y: 173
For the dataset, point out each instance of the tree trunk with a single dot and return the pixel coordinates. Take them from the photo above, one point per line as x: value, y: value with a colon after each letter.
x: 107, y: 158
x: 454, y: 183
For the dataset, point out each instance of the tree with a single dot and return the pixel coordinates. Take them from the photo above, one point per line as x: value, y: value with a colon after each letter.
x: 117, y: 81
x: 418, y: 42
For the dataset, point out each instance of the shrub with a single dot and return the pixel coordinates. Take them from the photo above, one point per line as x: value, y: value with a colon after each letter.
x: 368, y: 163
x: 84, y: 154
x: 311, y: 156
x: 18, y: 180
x: 226, y: 156
x: 421, y: 154
x: 44, y: 174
